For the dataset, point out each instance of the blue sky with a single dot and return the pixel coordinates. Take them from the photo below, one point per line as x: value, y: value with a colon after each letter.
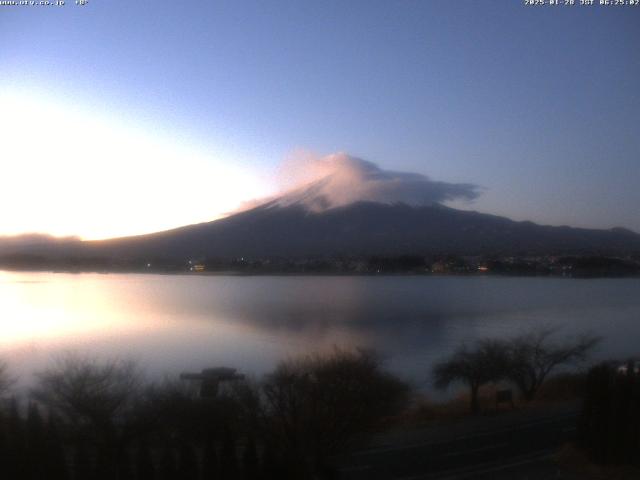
x: 538, y: 105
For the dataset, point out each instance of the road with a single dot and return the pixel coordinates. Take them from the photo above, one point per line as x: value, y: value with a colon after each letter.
x: 516, y: 449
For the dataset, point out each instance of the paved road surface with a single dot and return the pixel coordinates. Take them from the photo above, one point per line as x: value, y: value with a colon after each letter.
x: 519, y: 448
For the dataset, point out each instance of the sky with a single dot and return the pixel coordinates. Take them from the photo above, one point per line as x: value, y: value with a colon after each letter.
x: 121, y: 117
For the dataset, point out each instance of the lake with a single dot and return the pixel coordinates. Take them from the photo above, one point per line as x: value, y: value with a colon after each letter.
x: 175, y: 323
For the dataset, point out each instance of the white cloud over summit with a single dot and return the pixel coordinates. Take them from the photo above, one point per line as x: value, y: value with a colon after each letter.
x: 340, y: 179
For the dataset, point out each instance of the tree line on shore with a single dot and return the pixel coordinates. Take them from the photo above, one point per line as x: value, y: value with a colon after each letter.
x: 578, y: 265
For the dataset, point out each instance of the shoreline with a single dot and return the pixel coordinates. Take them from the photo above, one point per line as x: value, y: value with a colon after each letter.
x: 276, y: 273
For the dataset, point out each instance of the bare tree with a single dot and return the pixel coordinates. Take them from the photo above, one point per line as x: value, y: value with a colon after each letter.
x: 534, y: 355
x: 96, y: 398
x: 317, y: 405
x: 475, y: 366
x: 84, y: 391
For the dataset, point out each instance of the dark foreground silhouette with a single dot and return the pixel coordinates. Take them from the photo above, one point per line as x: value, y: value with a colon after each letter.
x: 95, y: 420
x: 101, y: 424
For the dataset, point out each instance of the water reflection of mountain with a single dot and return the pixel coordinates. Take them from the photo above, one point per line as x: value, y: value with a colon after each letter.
x: 413, y: 320
x: 175, y: 322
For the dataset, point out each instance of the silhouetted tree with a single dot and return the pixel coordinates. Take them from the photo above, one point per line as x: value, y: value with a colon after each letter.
x: 145, y: 469
x: 317, y: 405
x: 6, y: 381
x: 475, y: 366
x: 228, y: 455
x: 188, y: 463
x: 5, y: 452
x: 16, y: 443
x: 95, y: 399
x: 4, y: 442
x: 83, y: 391
x: 168, y: 467
x: 271, y: 464
x: 533, y: 356
x: 210, y: 462
x: 609, y: 427
x: 82, y: 463
x: 171, y: 409
x: 36, y: 446
x: 56, y: 463
x: 124, y: 466
x: 250, y: 465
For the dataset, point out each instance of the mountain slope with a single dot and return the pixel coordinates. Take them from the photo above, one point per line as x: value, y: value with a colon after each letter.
x: 364, y: 228
x: 344, y: 206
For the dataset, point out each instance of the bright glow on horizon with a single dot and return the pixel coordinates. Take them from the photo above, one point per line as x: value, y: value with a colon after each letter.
x: 31, y: 312
x: 69, y: 171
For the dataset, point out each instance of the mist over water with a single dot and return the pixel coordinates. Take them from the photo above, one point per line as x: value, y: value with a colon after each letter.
x: 175, y: 323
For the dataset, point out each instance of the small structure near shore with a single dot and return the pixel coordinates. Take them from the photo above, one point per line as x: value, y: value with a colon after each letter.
x: 211, y: 378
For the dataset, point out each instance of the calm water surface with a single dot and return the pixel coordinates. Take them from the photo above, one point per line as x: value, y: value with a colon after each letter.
x: 172, y: 323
